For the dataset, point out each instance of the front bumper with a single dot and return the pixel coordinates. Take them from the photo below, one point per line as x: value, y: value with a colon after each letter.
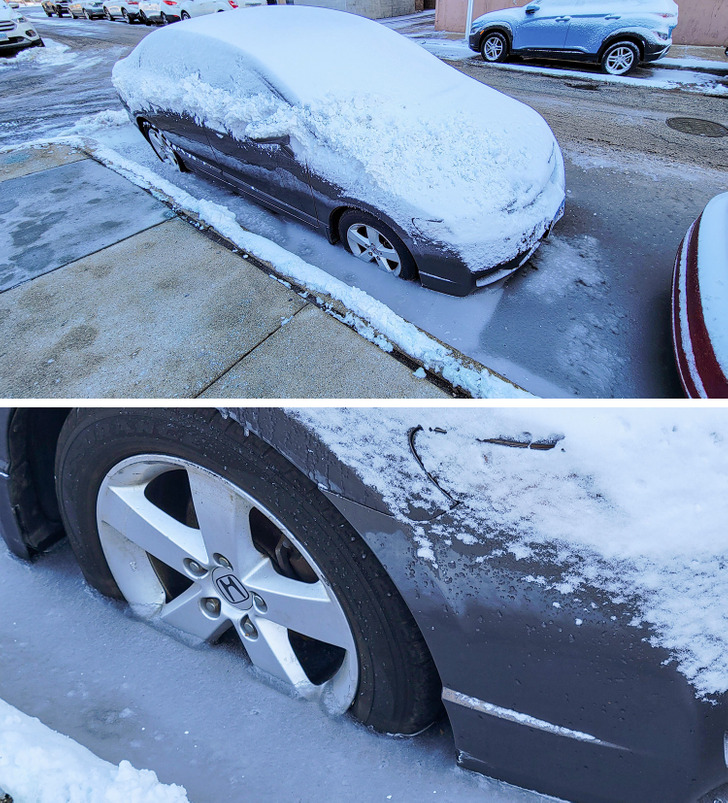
x: 19, y: 38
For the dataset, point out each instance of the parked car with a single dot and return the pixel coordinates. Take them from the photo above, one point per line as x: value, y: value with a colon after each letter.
x: 359, y: 561
x: 166, y: 11
x: 618, y: 34
x: 90, y: 9
x: 699, y: 304
x: 58, y: 7
x: 16, y: 33
x: 358, y: 132
x: 128, y: 10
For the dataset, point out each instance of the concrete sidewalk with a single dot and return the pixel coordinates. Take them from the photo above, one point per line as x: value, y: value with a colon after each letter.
x: 106, y: 293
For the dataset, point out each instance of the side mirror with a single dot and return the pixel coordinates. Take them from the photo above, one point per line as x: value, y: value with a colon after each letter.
x: 532, y: 8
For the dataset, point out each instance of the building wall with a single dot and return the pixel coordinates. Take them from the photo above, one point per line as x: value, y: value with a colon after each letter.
x: 701, y: 22
x: 373, y: 9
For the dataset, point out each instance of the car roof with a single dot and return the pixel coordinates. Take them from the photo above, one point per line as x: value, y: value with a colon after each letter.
x: 308, y: 53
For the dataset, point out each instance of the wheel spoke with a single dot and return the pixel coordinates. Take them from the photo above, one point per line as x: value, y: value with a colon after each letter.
x: 303, y: 607
x: 130, y: 513
x: 224, y: 519
x: 358, y: 238
x: 185, y: 613
x: 272, y: 652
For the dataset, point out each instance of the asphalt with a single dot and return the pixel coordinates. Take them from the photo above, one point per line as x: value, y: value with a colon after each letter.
x: 106, y: 293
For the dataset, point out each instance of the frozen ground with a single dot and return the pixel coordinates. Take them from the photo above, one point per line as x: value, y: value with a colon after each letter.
x: 198, y: 717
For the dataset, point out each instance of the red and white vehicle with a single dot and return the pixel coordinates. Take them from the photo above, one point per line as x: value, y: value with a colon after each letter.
x: 700, y: 304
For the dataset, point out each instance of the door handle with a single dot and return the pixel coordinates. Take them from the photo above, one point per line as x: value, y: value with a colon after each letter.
x: 613, y: 17
x: 563, y: 19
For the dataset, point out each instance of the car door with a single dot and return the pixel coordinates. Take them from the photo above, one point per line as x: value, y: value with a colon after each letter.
x: 544, y: 26
x: 590, y: 24
x: 269, y: 170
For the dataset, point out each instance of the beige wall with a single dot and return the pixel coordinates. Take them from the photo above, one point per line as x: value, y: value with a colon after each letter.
x: 702, y: 22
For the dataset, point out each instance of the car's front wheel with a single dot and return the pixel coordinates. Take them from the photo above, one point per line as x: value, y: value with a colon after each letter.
x: 494, y: 47
x: 372, y: 240
x: 184, y: 16
x: 620, y: 58
x: 161, y: 146
x: 207, y: 530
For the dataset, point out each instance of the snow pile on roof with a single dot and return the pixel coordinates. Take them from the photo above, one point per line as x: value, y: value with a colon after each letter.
x: 632, y: 502
x: 40, y: 765
x: 370, y: 111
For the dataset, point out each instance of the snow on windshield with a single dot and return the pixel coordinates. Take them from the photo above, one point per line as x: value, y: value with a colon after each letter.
x: 632, y: 502
x: 369, y: 111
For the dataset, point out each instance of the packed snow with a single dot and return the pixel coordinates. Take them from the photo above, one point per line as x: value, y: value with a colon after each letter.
x: 54, y: 54
x: 632, y: 502
x: 481, y: 173
x: 39, y: 765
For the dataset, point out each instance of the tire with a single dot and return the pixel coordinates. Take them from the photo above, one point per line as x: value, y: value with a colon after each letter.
x: 39, y: 43
x: 183, y: 467
x: 164, y: 19
x: 494, y: 47
x: 161, y: 146
x: 184, y: 16
x: 620, y: 58
x: 86, y: 15
x: 125, y: 16
x: 48, y: 13
x: 107, y: 15
x: 372, y: 240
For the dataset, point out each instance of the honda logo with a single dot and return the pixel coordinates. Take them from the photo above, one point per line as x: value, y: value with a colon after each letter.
x: 232, y: 589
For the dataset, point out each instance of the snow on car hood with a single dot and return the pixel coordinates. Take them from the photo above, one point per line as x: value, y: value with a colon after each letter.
x: 632, y: 502
x: 372, y: 112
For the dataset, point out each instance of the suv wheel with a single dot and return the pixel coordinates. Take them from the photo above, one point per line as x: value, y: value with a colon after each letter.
x: 203, y: 528
x: 620, y: 58
x: 494, y: 47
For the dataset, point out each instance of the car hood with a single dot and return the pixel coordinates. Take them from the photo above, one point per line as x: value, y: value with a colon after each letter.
x: 441, y: 154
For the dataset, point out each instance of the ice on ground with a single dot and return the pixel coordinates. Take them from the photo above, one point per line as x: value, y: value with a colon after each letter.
x: 389, y: 124
x: 632, y: 502
x: 39, y: 765
x: 54, y: 54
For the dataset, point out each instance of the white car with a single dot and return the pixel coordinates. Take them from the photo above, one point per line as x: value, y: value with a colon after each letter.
x: 165, y: 11
x: 128, y: 10
x: 15, y: 31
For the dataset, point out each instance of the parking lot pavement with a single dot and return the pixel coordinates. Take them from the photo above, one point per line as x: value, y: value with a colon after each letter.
x: 142, y: 304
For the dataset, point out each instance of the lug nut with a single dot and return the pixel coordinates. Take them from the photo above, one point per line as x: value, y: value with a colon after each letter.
x: 259, y: 603
x: 193, y: 567
x: 249, y: 629
x: 223, y: 561
x: 211, y: 605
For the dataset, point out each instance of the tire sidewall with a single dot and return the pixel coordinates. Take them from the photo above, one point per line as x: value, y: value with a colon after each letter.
x: 610, y: 48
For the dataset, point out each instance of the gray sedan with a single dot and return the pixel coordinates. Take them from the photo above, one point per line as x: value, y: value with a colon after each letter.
x: 614, y: 33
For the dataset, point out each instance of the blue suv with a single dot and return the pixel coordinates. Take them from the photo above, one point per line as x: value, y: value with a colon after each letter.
x: 618, y: 34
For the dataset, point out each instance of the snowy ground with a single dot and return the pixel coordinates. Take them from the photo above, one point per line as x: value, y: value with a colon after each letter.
x: 199, y: 718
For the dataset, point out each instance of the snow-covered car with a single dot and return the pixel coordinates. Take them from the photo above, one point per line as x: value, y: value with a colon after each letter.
x: 58, y: 7
x: 349, y: 127
x: 618, y: 34
x: 16, y: 32
x: 699, y: 304
x: 165, y: 11
x: 530, y: 568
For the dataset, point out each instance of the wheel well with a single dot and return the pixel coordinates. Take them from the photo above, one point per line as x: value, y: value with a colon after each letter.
x: 629, y: 37
x: 32, y: 438
x: 496, y: 29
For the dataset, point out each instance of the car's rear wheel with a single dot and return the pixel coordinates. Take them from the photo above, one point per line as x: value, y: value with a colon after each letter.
x: 494, y: 47
x: 184, y: 16
x: 372, y: 240
x: 48, y: 13
x: 161, y: 146
x: 205, y: 529
x: 125, y: 16
x: 107, y: 15
x: 86, y: 14
x: 620, y: 58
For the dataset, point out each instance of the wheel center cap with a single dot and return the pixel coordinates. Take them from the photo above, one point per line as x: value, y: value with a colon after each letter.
x: 231, y: 589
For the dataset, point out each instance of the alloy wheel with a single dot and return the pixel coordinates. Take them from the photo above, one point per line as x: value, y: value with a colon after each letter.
x: 620, y: 60
x: 370, y: 245
x: 190, y: 550
x: 493, y: 48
